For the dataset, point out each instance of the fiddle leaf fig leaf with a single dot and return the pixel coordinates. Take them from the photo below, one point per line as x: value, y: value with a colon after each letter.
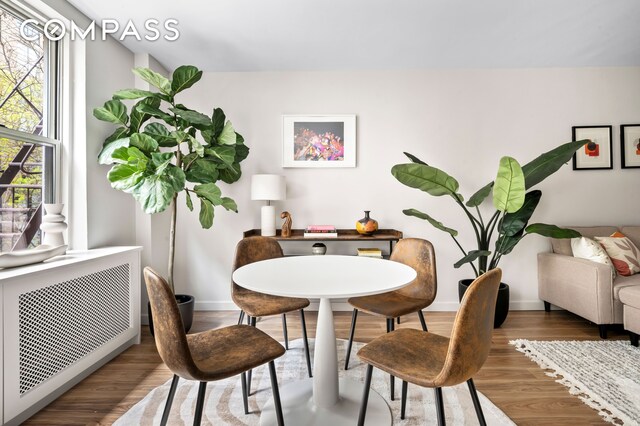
x: 184, y: 77
x: 209, y: 191
x: 425, y: 178
x: 229, y: 204
x: 513, y: 223
x: 188, y: 199
x: 228, y: 135
x: 225, y: 154
x: 196, y: 146
x: 202, y: 171
x: 242, y: 152
x: 153, y: 78
x: 105, y: 155
x: 154, y: 193
x: 432, y: 221
x: 415, y: 159
x: 124, y: 177
x: 479, y: 197
x: 143, y: 142
x: 133, y: 94
x: 218, y: 118
x: 113, y: 111
x: 160, y: 133
x: 551, y: 231
x: 120, y: 133
x: 155, y: 112
x: 471, y: 257
x: 206, y: 213
x: 230, y: 174
x: 138, y: 118
x: 194, y: 118
x: 508, y: 190
x: 548, y: 163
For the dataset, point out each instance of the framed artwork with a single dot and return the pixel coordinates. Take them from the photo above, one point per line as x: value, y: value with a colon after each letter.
x: 630, y: 146
x: 596, y: 154
x: 319, y: 141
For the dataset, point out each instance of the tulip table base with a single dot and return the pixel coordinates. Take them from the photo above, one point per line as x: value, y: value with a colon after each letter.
x: 299, y: 409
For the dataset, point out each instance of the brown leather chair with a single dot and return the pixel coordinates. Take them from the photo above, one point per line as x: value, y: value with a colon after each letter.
x: 434, y: 361
x: 208, y: 356
x: 420, y: 255
x: 254, y: 304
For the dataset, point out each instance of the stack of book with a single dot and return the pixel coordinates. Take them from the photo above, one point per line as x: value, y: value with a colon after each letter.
x: 370, y: 252
x: 321, y: 231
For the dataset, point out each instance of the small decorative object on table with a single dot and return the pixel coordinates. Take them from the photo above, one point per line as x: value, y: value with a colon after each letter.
x: 321, y: 231
x: 286, y: 226
x: 370, y: 252
x: 319, y: 248
x: 53, y: 225
x: 366, y: 225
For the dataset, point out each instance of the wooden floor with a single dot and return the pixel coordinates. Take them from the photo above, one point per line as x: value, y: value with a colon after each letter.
x: 509, y: 379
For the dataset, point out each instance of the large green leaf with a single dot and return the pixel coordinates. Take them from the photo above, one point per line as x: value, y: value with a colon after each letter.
x: 210, y: 191
x: 202, y: 171
x: 132, y: 94
x: 124, y: 177
x: 505, y: 244
x: 206, y: 213
x: 120, y: 133
x: 230, y: 174
x: 194, y: 118
x: 551, y: 231
x: 154, y: 193
x: 131, y: 156
x: 175, y: 176
x: 160, y: 133
x: 480, y: 195
x: 228, y: 135
x: 508, y: 189
x: 161, y: 161
x: 153, y: 78
x: 144, y: 142
x: 471, y: 257
x: 425, y: 178
x: 184, y: 77
x: 155, y: 112
x: 242, y: 152
x: 548, y: 163
x: 105, y: 155
x: 112, y: 111
x: 138, y: 118
x: 415, y: 159
x: 513, y: 223
x: 196, y: 146
x: 218, y: 118
x: 229, y: 204
x: 188, y: 200
x: 432, y: 221
x: 225, y: 154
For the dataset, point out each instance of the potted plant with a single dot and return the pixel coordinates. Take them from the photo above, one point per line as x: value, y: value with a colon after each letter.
x: 162, y: 148
x: 514, y: 207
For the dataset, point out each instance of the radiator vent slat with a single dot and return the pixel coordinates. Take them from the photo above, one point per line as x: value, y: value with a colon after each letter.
x: 62, y: 323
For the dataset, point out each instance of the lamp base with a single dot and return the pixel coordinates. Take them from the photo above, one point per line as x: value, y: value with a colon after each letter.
x: 268, y: 221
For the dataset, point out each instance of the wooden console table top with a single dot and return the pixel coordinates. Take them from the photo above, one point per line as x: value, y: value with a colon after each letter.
x: 343, y: 235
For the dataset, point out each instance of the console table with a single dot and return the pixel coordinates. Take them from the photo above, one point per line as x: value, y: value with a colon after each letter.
x: 381, y: 235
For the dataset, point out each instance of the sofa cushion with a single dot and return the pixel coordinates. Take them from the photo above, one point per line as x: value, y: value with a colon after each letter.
x: 623, y: 253
x: 633, y: 232
x: 563, y: 246
x: 625, y: 282
x: 586, y: 248
x: 630, y: 295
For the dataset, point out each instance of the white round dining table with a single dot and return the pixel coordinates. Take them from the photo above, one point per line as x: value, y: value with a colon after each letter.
x: 325, y: 400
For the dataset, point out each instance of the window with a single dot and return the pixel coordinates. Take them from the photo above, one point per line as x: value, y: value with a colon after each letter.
x: 28, y: 129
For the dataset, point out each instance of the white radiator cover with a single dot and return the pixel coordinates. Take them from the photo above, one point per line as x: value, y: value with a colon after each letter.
x: 62, y: 320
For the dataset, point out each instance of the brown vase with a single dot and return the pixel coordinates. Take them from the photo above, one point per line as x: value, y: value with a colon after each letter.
x: 366, y: 225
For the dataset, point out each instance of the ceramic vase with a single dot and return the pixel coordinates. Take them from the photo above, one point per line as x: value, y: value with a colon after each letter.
x: 367, y: 225
x: 53, y: 225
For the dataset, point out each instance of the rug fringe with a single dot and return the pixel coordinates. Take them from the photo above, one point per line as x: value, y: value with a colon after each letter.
x: 605, y: 410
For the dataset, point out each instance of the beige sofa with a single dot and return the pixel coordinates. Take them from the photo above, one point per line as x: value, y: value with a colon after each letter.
x: 582, y: 286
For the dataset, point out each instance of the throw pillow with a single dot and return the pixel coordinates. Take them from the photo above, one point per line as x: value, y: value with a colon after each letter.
x: 586, y: 248
x: 623, y: 253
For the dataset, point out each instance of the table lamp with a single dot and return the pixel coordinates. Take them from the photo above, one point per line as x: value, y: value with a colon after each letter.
x: 268, y: 188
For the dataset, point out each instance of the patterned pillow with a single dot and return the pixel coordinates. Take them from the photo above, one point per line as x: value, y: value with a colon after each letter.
x: 623, y: 253
x: 586, y: 248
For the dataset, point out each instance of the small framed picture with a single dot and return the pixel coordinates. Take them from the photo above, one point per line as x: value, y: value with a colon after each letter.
x: 319, y: 141
x: 595, y: 154
x: 630, y: 146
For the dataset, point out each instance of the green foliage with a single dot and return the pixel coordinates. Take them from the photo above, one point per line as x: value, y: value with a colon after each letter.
x: 514, y: 206
x: 178, y: 147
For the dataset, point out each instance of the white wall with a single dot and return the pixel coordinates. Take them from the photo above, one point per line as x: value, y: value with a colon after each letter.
x: 462, y: 121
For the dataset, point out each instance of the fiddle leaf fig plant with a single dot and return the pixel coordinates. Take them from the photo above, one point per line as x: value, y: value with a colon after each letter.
x: 162, y: 148
x: 514, y: 205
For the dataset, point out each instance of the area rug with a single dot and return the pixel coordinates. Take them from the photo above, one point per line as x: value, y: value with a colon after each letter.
x: 605, y: 375
x: 223, y: 404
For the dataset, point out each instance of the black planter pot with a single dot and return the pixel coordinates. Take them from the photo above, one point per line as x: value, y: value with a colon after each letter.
x: 502, y: 304
x: 186, y: 304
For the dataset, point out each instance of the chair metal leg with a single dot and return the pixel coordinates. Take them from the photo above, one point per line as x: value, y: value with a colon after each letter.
x: 602, y: 328
x: 241, y: 317
x: 392, y: 382
x: 440, y: 407
x: 365, y: 395
x: 252, y: 322
x: 276, y: 393
x: 422, y: 321
x: 284, y: 331
x: 167, y: 405
x: 245, y: 397
x: 306, y: 342
x: 197, y: 417
x: 476, y: 402
x: 403, y: 404
x: 354, y: 317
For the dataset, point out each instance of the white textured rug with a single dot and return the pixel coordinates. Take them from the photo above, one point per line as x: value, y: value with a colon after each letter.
x: 605, y: 375
x: 223, y: 404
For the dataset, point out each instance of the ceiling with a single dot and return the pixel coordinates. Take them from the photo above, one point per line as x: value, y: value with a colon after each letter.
x: 278, y: 35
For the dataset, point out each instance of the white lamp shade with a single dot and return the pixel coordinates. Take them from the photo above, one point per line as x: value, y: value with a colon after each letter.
x: 268, y: 187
